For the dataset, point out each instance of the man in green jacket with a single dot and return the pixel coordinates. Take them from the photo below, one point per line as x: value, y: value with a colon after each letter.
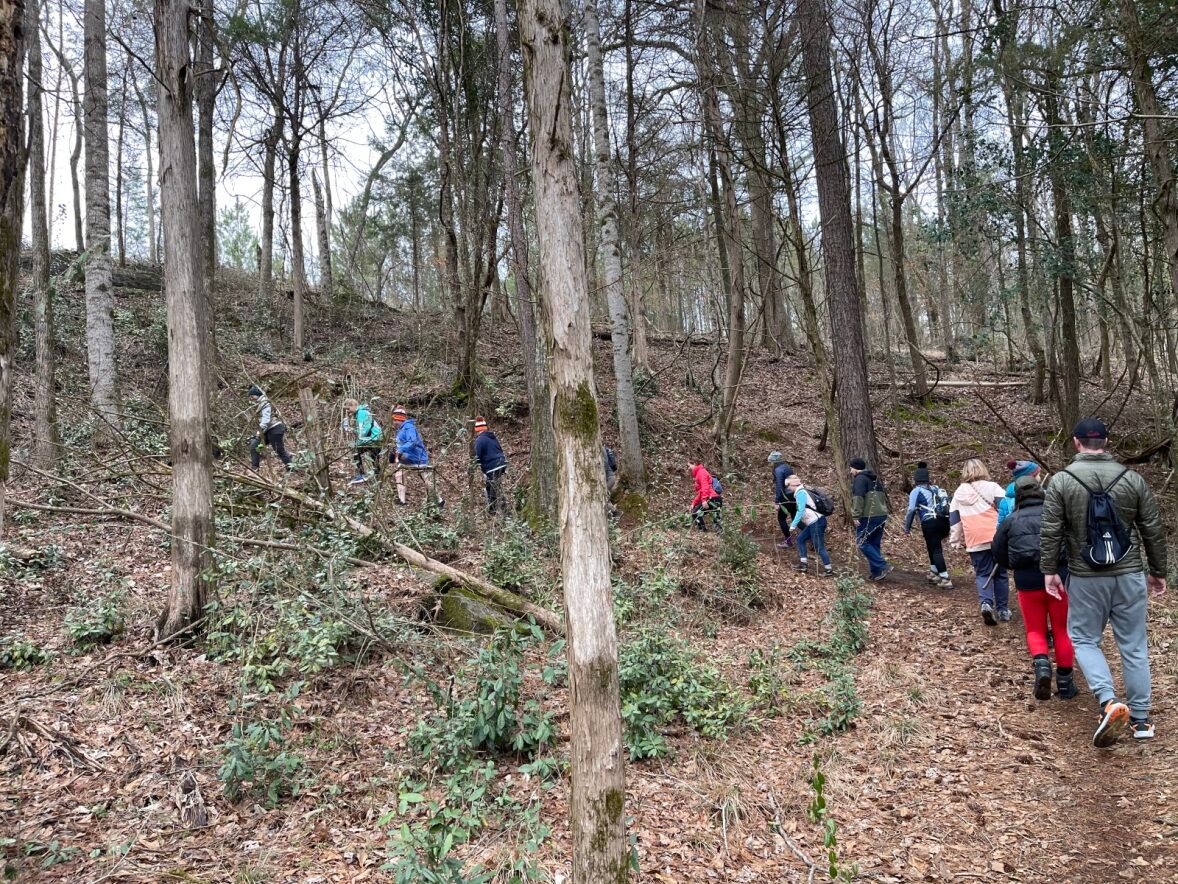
x: 869, y: 509
x: 1116, y: 593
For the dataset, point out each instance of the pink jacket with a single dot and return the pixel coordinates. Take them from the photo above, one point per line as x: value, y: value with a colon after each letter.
x: 973, y: 514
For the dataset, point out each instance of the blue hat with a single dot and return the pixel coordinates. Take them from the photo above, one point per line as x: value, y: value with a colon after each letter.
x: 1020, y: 468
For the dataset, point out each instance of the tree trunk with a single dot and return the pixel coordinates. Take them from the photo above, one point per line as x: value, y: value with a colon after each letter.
x: 1156, y: 144
x: 633, y: 472
x: 13, y: 25
x: 206, y: 97
x: 597, y: 800
x: 45, y: 438
x: 543, y: 455
x: 188, y: 379
x: 323, y: 235
x: 149, y: 184
x: 120, y: 210
x: 313, y: 433
x: 298, y: 266
x: 1065, y: 267
x: 100, y: 330
x: 856, y: 426
x: 266, y: 246
x: 637, y: 298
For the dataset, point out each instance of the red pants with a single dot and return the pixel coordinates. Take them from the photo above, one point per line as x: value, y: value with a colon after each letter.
x: 1037, y: 606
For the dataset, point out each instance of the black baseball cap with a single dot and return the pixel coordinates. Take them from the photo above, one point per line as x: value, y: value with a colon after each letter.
x: 1090, y: 428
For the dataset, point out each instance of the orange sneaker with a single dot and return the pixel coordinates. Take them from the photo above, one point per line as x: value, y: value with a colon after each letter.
x: 1112, y: 723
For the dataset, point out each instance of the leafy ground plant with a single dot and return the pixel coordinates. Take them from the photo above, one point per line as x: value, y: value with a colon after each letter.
x: 97, y: 622
x: 818, y: 813
x: 661, y: 680
x: 257, y: 762
x: 20, y: 654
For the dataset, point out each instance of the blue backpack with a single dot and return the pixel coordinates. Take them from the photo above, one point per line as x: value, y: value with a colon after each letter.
x: 1108, y: 539
x: 717, y: 487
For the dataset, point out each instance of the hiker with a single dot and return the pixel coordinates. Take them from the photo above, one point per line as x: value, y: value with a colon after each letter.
x: 489, y: 454
x: 1018, y: 469
x: 869, y: 509
x: 1016, y: 546
x: 973, y: 519
x: 368, y: 436
x: 707, y: 499
x: 809, y: 515
x: 409, y: 450
x: 931, y: 505
x: 783, y: 502
x: 1106, y: 515
x: 271, y: 431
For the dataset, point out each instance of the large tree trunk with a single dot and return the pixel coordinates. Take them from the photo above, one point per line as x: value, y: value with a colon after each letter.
x: 188, y: 379
x: 729, y: 225
x: 597, y: 802
x: 632, y: 469
x: 100, y: 329
x: 120, y: 208
x: 856, y: 426
x: 13, y: 24
x: 543, y: 454
x: 298, y: 266
x: 45, y: 438
x: 324, y: 216
x: 266, y: 246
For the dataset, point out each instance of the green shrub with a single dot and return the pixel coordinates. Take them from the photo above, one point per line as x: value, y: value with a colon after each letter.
x: 98, y: 622
x: 20, y: 654
x: 661, y: 680
x: 489, y: 715
x: 512, y: 560
x: 766, y: 683
x: 257, y: 763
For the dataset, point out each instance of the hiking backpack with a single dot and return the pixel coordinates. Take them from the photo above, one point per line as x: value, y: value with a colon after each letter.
x: 717, y: 487
x: 1108, y: 539
x: 938, y: 503
x: 823, y: 502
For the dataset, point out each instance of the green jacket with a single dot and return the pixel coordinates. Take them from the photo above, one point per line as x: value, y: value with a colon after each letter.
x: 867, y: 496
x: 1065, y: 518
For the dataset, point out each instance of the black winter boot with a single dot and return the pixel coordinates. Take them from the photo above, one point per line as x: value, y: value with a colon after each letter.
x: 1065, y: 686
x: 1042, y: 678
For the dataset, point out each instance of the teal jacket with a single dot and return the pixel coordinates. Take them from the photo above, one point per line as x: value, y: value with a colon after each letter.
x: 368, y: 431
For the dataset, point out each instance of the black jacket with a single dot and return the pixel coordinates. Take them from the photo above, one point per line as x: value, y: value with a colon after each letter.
x: 488, y: 452
x: 781, y: 472
x: 1016, y: 545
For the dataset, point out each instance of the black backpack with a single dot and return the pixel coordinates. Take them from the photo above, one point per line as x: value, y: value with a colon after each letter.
x: 1108, y: 539
x: 823, y: 504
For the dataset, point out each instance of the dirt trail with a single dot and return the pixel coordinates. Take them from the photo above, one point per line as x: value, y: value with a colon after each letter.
x: 963, y: 775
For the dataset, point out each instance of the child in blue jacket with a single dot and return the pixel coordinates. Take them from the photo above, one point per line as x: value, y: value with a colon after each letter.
x: 410, y: 450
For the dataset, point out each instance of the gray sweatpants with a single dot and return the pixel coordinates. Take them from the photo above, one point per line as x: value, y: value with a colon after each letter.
x: 1093, y: 603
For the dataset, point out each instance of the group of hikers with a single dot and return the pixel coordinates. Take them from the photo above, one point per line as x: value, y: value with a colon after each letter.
x: 1085, y: 550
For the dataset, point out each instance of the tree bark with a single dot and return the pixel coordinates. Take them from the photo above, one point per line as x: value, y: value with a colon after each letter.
x: 543, y: 454
x: 100, y: 330
x: 266, y: 246
x: 45, y: 438
x: 13, y: 24
x: 633, y: 471
x: 597, y: 802
x: 323, y: 235
x: 856, y: 425
x: 206, y: 170
x: 188, y: 379
x: 120, y: 209
x: 298, y: 266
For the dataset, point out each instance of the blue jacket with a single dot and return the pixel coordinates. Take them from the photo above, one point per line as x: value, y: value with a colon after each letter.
x: 367, y: 430
x: 781, y: 472
x: 920, y: 502
x: 488, y: 452
x: 410, y: 448
x: 1006, y: 504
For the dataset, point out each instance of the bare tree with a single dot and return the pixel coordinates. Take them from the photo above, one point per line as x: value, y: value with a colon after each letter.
x: 100, y: 329
x: 534, y: 348
x: 856, y: 425
x: 45, y: 439
x: 12, y: 48
x: 188, y: 382
x: 597, y: 803
x: 632, y: 468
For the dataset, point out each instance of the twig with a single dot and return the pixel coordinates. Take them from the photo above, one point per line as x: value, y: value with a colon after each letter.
x: 1017, y: 438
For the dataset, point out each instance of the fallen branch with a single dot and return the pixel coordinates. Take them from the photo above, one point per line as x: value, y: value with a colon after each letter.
x: 880, y: 385
x: 1039, y: 459
x: 501, y: 598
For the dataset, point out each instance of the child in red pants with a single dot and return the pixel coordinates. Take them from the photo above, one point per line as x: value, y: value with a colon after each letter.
x: 1016, y: 547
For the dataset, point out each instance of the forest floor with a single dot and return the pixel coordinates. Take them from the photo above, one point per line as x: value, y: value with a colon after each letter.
x: 945, y: 768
